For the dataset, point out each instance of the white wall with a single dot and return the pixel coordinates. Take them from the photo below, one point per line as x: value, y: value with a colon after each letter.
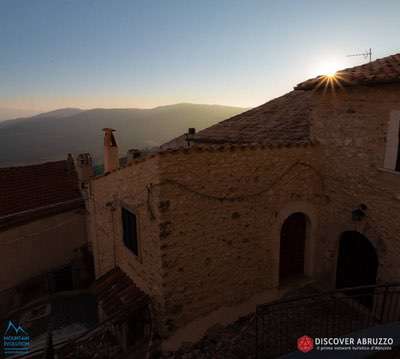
x: 392, y: 140
x: 34, y: 248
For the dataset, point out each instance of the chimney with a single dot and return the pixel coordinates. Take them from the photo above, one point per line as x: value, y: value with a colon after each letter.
x: 111, y: 160
x: 84, y: 167
x: 190, y: 135
x: 132, y: 155
x: 70, y: 163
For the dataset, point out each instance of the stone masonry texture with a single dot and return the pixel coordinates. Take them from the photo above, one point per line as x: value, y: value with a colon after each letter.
x: 210, y: 216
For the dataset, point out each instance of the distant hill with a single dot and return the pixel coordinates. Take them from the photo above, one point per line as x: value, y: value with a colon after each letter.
x: 50, y: 136
x: 7, y: 113
x: 60, y: 113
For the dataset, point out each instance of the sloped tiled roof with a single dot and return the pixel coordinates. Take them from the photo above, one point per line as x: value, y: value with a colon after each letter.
x: 117, y: 295
x: 284, y: 120
x: 177, y: 142
x: 385, y: 70
x: 287, y: 119
x: 26, y: 189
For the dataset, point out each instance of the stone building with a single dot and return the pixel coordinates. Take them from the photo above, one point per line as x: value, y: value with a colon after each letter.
x: 304, y: 187
x: 43, y: 230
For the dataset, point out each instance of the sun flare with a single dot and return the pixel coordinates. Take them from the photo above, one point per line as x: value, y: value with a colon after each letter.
x: 328, y: 74
x: 329, y: 68
x: 331, y: 73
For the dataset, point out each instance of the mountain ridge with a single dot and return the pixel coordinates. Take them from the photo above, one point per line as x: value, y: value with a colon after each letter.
x: 52, y: 135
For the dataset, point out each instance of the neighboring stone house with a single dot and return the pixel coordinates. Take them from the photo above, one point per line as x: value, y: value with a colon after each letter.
x: 43, y: 231
x: 306, y: 185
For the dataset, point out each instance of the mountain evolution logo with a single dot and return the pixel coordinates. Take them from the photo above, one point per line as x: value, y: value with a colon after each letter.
x: 15, y: 340
x: 17, y: 330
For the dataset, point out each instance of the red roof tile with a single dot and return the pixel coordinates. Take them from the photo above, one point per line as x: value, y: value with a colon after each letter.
x: 29, y: 188
x: 385, y: 70
x: 118, y: 295
x: 287, y: 119
x: 284, y: 120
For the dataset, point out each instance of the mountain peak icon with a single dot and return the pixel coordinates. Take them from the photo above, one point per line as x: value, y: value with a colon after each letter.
x: 17, y: 329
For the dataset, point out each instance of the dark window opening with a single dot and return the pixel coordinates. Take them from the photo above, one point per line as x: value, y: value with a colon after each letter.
x: 398, y: 154
x: 129, y: 227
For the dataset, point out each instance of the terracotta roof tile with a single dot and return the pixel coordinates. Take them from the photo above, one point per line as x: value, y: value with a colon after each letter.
x: 385, y: 70
x: 28, y: 188
x: 118, y: 295
x: 284, y: 120
x: 287, y: 119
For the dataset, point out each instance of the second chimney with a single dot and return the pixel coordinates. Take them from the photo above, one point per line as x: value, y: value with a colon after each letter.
x: 111, y: 161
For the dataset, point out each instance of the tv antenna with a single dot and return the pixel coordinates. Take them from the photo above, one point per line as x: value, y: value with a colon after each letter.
x: 367, y: 54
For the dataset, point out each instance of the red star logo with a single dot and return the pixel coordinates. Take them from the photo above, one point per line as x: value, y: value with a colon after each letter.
x: 305, y: 344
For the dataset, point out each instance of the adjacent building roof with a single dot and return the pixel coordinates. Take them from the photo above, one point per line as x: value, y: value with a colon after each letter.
x: 385, y: 70
x: 27, y: 192
x: 117, y: 295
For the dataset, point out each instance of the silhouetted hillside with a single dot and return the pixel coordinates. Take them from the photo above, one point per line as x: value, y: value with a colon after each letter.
x: 50, y: 136
x: 7, y: 113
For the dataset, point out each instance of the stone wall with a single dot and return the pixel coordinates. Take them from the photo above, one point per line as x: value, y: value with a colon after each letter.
x: 221, y: 215
x: 36, y: 247
x: 210, y: 217
x: 128, y: 187
x: 352, y: 128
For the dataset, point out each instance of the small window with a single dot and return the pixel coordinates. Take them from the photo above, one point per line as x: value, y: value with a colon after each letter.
x: 129, y: 227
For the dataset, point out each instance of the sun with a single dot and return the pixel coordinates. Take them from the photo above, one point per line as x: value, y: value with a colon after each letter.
x: 328, y: 67
x: 328, y: 73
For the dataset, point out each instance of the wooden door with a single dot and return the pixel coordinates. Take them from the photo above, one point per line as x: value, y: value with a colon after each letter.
x: 357, y: 265
x: 292, y: 248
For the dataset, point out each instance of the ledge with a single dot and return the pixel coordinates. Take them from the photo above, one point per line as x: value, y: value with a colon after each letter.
x: 396, y: 173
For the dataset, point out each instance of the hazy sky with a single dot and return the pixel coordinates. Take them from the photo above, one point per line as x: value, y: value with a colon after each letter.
x: 126, y: 53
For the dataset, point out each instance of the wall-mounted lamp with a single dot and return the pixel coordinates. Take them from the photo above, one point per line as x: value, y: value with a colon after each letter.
x: 112, y: 205
x: 359, y: 214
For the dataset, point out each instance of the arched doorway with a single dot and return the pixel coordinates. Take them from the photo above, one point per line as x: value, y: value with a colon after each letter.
x: 357, y: 265
x: 292, y: 246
